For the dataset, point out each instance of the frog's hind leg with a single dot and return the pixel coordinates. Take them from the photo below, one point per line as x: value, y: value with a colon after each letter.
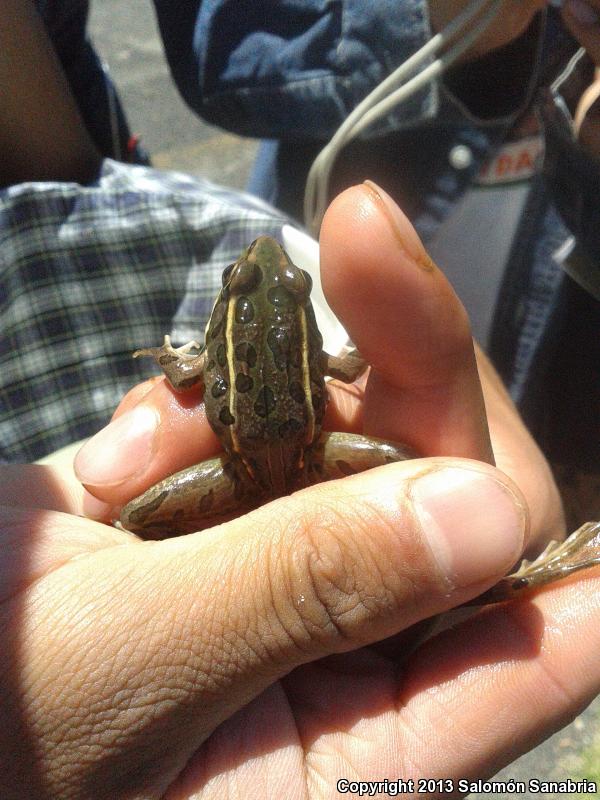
x: 580, y: 551
x: 183, y: 370
x: 336, y: 455
x: 195, y: 498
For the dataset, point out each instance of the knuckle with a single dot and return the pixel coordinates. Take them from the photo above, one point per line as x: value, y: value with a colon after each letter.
x: 341, y: 584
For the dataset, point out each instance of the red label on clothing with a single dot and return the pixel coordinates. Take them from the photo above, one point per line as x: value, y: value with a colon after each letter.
x: 515, y: 161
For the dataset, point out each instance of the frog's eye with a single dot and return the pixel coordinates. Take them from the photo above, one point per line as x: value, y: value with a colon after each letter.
x: 227, y: 274
x: 308, y: 279
x: 295, y: 282
x: 245, y: 277
x: 242, y: 276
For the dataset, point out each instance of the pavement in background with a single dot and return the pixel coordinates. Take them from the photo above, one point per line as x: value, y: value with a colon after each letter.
x: 125, y: 33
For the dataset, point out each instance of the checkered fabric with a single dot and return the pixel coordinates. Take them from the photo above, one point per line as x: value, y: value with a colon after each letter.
x: 90, y: 273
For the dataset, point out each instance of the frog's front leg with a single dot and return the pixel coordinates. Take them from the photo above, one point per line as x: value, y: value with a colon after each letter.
x: 190, y: 500
x: 346, y: 368
x: 183, y: 370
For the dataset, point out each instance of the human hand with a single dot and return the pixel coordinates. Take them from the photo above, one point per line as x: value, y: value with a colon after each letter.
x: 168, y: 432
x: 512, y: 20
x: 151, y: 669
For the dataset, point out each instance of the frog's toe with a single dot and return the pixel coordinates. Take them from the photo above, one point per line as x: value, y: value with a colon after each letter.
x: 153, y: 352
x: 184, y: 349
x: 580, y: 550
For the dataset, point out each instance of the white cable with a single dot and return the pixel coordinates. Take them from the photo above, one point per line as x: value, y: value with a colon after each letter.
x: 317, y: 182
x: 391, y: 92
x: 396, y: 78
x: 316, y: 190
x: 429, y: 74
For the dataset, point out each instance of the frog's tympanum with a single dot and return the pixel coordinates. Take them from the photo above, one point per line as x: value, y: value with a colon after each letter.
x: 262, y: 370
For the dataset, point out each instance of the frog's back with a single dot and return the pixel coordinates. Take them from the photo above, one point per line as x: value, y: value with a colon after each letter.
x: 265, y: 395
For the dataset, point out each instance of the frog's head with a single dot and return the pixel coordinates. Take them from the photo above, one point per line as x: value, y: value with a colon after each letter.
x: 264, y: 266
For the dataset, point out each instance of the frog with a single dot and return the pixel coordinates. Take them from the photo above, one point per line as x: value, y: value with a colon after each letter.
x: 262, y: 371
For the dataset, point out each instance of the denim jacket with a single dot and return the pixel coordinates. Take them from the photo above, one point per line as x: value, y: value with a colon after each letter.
x: 291, y: 69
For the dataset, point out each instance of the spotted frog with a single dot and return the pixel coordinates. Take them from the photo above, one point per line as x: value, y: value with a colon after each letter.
x: 262, y: 370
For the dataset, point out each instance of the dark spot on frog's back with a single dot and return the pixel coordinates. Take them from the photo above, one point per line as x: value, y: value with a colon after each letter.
x: 278, y: 341
x: 295, y: 357
x: 289, y: 428
x: 244, y: 311
x: 226, y: 416
x: 318, y: 395
x: 221, y: 355
x: 296, y: 391
x: 282, y: 298
x: 246, y: 353
x: 265, y: 402
x: 219, y: 388
x: 243, y: 383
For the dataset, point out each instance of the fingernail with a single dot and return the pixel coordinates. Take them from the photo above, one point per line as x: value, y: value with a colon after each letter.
x: 403, y: 230
x: 122, y: 449
x: 583, y: 13
x: 475, y: 525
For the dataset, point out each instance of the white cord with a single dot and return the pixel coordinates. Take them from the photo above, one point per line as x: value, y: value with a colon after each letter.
x: 318, y: 179
x: 390, y: 93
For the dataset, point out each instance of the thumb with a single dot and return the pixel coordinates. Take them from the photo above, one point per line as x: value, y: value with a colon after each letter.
x: 175, y: 636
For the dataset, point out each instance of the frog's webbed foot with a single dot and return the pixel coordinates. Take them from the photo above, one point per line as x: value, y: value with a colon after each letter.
x: 183, y: 369
x: 346, y: 368
x: 580, y: 551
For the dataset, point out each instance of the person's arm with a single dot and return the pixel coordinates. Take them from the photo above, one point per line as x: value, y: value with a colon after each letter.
x: 42, y: 135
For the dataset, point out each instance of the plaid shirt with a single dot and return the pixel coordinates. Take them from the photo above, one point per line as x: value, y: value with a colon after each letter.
x: 90, y: 273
